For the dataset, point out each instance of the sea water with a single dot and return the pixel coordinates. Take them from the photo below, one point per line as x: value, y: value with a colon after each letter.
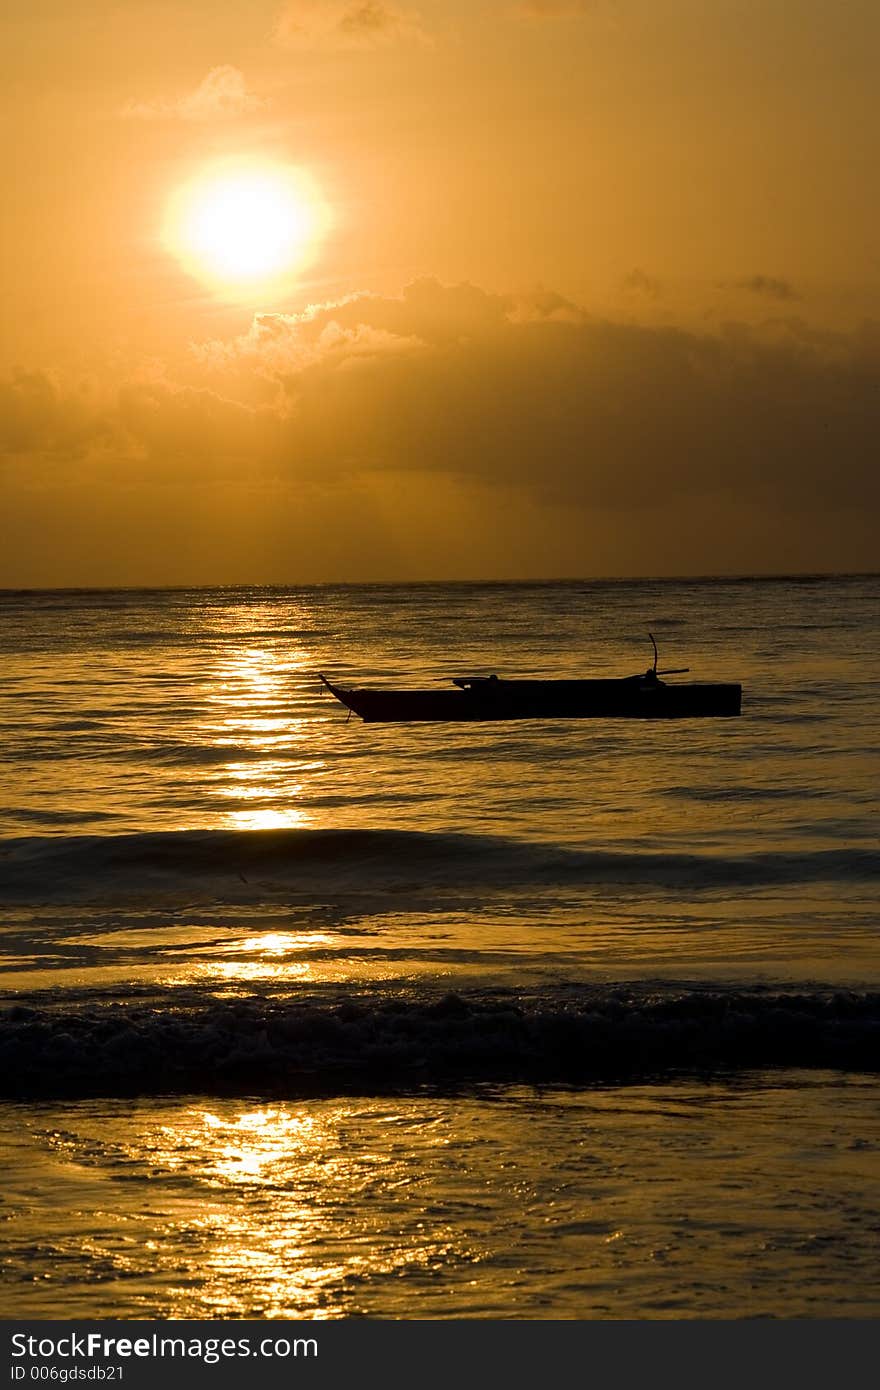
x: 306, y: 1017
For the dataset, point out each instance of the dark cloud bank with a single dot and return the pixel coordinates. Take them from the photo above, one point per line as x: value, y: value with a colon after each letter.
x: 529, y: 393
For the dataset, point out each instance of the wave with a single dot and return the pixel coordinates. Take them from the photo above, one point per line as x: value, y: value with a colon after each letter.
x: 75, y: 867
x: 732, y: 794
x: 40, y: 816
x: 375, y: 1043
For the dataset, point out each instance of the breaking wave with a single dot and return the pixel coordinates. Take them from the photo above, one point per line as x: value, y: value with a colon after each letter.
x: 77, y: 867
x: 373, y: 1042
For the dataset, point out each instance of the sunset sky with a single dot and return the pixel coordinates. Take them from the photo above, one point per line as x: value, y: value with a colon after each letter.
x: 360, y: 290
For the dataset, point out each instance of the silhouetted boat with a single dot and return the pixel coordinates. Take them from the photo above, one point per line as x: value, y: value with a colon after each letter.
x: 491, y: 697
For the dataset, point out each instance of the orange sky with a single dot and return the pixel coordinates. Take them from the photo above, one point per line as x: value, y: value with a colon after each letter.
x: 591, y: 288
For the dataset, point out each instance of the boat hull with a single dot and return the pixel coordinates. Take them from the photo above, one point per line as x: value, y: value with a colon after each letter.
x: 480, y: 700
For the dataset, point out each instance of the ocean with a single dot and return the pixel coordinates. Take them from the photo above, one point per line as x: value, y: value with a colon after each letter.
x: 304, y: 1017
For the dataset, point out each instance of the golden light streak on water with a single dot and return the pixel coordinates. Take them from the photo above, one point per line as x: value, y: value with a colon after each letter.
x: 686, y: 1199
x: 253, y: 971
x: 267, y: 819
x: 197, y: 714
x: 251, y: 692
x: 279, y: 943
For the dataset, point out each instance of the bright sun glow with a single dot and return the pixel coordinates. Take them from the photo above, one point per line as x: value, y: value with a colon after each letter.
x: 246, y: 223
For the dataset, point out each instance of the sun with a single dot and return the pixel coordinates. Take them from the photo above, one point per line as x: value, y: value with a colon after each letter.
x: 245, y: 223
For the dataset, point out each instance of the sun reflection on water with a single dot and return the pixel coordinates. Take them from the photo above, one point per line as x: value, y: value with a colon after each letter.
x: 252, y: 693
x: 266, y: 959
x: 278, y: 943
x: 256, y: 970
x: 286, y: 1223
x: 258, y: 1266
x: 251, y: 1143
x: 514, y: 1204
x: 267, y: 818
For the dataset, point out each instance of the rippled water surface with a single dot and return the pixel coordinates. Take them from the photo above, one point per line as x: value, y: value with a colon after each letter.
x: 310, y: 1017
x: 674, y: 1200
x: 135, y: 712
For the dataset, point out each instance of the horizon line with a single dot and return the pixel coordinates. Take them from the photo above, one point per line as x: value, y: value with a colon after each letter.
x: 745, y: 576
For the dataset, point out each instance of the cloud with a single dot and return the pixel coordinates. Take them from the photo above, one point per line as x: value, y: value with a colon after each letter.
x: 767, y: 285
x: 40, y: 419
x: 639, y: 282
x: 346, y: 24
x: 553, y: 9
x: 532, y: 391
x: 220, y: 95
x: 525, y: 406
